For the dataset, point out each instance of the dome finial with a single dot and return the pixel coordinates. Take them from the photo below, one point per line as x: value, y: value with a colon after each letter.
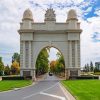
x: 72, y: 15
x: 28, y: 15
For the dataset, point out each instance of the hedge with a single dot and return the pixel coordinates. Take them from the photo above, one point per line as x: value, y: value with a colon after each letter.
x: 16, y: 77
x: 84, y: 77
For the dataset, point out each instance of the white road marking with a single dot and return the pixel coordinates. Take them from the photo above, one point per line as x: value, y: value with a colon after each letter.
x: 30, y: 96
x: 51, y: 95
x: 39, y: 92
x: 55, y: 96
x: 50, y: 87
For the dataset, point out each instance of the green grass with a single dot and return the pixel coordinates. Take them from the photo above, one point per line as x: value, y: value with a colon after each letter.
x: 9, y: 85
x: 83, y: 89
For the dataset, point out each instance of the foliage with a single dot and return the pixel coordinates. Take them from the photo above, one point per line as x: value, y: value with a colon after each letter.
x: 58, y: 66
x: 13, y: 78
x: 1, y: 66
x: 88, y: 67
x: 7, y: 70
x: 15, y: 68
x: 91, y: 67
x: 52, y: 66
x: 42, y: 62
x: 16, y: 57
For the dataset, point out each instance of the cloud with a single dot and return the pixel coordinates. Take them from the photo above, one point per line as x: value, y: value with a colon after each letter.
x: 11, y: 12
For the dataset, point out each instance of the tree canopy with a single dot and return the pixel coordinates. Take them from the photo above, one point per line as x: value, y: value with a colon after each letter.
x: 42, y: 62
x: 1, y: 66
x: 16, y: 57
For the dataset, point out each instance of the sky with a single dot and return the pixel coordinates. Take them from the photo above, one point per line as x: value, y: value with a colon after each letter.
x: 88, y: 12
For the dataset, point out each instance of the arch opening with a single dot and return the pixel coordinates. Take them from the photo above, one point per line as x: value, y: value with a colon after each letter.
x: 50, y: 60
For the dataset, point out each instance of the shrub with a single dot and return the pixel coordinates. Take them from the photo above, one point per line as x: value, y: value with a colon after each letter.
x: 13, y: 78
x: 85, y: 77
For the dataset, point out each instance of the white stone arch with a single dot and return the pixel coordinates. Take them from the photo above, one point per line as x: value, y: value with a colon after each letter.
x: 64, y: 36
x: 45, y: 46
x: 50, y: 47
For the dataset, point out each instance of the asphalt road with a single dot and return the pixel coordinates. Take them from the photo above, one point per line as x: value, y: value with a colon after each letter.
x: 48, y: 89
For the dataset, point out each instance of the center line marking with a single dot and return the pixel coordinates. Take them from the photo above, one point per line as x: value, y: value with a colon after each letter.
x: 39, y: 92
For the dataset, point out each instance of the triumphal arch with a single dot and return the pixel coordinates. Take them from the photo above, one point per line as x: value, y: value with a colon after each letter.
x: 63, y: 36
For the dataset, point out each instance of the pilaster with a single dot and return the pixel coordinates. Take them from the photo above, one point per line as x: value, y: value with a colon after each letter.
x: 23, y: 54
x: 76, y: 55
x: 70, y: 54
x: 30, y: 54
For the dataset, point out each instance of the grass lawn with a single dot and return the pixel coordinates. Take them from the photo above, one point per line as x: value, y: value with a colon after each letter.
x: 11, y: 84
x: 83, y: 89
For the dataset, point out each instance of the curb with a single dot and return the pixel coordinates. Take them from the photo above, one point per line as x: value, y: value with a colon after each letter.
x: 68, y: 95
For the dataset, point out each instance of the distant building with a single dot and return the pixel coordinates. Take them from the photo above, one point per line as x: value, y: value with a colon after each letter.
x: 97, y: 64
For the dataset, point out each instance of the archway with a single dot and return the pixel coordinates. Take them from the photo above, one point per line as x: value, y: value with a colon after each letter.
x: 64, y: 36
x: 50, y: 60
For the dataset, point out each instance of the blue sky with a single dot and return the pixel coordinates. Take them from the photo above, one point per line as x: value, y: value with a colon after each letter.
x: 88, y: 11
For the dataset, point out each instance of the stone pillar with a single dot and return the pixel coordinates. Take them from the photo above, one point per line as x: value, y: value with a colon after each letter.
x: 22, y: 57
x: 76, y: 55
x: 34, y: 75
x: 67, y: 73
x: 23, y: 54
x: 30, y: 54
x: 70, y: 54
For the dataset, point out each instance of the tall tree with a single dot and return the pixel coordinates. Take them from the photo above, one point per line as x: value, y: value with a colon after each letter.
x: 87, y: 68
x: 52, y: 66
x: 15, y: 67
x: 16, y: 57
x: 42, y: 62
x: 7, y: 70
x: 60, y: 63
x: 91, y: 67
x: 1, y: 66
x: 58, y: 66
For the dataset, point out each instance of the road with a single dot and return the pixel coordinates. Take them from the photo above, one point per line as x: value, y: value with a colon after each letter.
x: 48, y: 89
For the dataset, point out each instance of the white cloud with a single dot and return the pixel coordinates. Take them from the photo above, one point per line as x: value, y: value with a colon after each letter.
x: 11, y: 12
x: 90, y: 50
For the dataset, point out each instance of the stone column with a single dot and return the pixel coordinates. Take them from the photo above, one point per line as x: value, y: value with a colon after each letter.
x: 23, y: 54
x: 30, y: 54
x: 76, y: 55
x: 70, y: 54
x: 34, y: 75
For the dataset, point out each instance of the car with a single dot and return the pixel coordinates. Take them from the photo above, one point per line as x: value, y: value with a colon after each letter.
x: 50, y: 74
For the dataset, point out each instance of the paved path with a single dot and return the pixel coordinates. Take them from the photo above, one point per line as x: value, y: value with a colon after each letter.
x: 48, y: 89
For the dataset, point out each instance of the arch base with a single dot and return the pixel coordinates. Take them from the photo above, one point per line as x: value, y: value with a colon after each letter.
x: 72, y: 73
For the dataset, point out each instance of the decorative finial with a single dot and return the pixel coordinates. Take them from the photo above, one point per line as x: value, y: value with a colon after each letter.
x: 28, y: 15
x: 50, y: 15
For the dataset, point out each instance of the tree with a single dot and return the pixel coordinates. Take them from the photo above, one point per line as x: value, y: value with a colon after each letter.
x: 16, y: 57
x: 60, y: 63
x: 7, y: 70
x: 58, y: 66
x: 1, y: 66
x: 91, y: 67
x: 86, y: 68
x: 42, y: 62
x: 15, y: 68
x: 52, y: 66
